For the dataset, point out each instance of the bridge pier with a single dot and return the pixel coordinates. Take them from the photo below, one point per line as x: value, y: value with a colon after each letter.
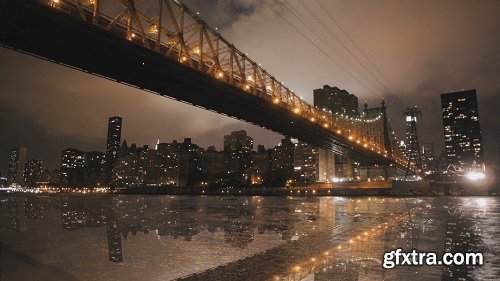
x: 326, y: 169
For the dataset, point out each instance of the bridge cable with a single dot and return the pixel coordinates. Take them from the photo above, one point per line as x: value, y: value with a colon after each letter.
x: 332, y: 18
x: 321, y: 50
x: 322, y: 23
x: 314, y: 32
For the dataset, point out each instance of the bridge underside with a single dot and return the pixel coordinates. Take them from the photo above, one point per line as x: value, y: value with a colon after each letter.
x: 43, y: 31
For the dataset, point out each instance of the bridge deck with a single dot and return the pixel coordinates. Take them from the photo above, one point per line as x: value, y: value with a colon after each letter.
x: 38, y: 29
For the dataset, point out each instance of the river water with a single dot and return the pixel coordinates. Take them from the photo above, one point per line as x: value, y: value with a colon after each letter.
x: 134, y: 237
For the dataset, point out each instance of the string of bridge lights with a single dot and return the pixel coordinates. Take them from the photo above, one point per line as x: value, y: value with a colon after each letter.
x: 269, y: 86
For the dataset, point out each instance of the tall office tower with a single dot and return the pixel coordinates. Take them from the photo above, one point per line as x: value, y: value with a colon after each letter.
x: 189, y: 163
x: 261, y: 164
x: 94, y: 162
x: 112, y: 146
x: 114, y: 137
x: 282, y: 156
x: 306, y: 162
x: 429, y: 163
x: 336, y: 101
x: 411, y: 138
x: 462, y: 133
x: 32, y: 172
x: 72, y: 169
x: 237, y: 150
x: 17, y: 159
x: 167, y: 161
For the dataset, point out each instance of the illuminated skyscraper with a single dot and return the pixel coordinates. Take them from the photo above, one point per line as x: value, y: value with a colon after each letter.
x: 17, y: 159
x: 94, y: 162
x: 411, y: 139
x: 32, y: 172
x: 462, y: 133
x: 112, y: 145
x: 306, y: 162
x: 114, y: 137
x: 428, y: 158
x: 72, y: 168
x: 237, y: 150
x: 282, y: 156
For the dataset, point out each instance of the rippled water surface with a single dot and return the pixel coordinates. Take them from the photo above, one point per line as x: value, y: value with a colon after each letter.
x: 128, y: 237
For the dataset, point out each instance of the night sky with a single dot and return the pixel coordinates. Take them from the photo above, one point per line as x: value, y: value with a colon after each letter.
x: 407, y: 52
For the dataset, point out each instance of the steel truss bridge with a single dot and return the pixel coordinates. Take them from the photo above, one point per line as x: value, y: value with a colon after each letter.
x: 165, y: 48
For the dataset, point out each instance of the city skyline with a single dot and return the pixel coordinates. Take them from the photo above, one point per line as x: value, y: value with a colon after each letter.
x: 54, y: 115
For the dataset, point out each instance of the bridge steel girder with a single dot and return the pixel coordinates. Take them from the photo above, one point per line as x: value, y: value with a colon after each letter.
x: 42, y: 31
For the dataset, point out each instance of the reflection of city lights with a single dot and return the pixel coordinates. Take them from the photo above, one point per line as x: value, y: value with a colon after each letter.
x: 481, y: 202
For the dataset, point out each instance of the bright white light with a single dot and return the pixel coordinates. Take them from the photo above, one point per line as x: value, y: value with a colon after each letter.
x: 335, y: 179
x: 474, y: 176
x: 481, y: 202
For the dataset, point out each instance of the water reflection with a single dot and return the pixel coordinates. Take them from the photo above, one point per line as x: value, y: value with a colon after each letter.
x: 242, y: 238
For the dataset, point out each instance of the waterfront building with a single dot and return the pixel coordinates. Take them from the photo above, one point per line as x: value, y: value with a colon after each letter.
x: 167, y: 161
x: 282, y: 156
x: 237, y: 151
x: 32, y: 172
x: 462, y: 132
x: 114, y: 137
x: 261, y: 164
x: 17, y: 159
x: 429, y: 162
x: 189, y: 163
x: 126, y: 171
x: 306, y: 162
x: 112, y: 145
x: 94, y: 164
x: 213, y: 163
x: 72, y: 171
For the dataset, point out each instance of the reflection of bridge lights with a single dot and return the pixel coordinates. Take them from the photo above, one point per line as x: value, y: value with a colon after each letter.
x: 351, y: 241
x: 296, y: 268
